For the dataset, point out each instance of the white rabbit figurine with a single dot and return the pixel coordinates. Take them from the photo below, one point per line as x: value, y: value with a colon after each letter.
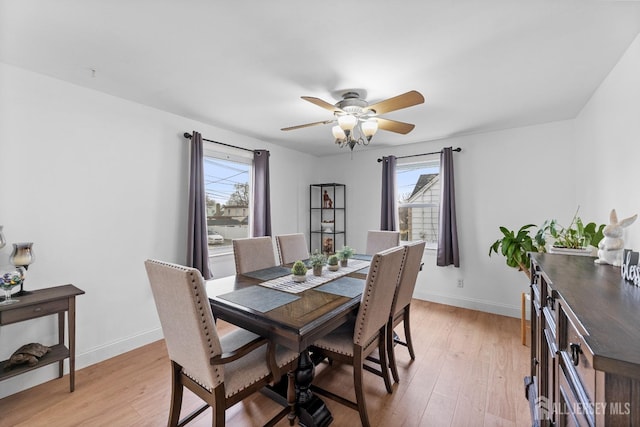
x: 611, y: 247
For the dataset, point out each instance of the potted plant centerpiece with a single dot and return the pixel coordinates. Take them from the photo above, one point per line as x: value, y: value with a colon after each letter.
x: 299, y: 271
x: 344, y: 254
x: 332, y: 262
x: 317, y: 261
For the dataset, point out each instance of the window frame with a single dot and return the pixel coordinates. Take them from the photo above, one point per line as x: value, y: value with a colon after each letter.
x: 214, y: 151
x: 425, y: 164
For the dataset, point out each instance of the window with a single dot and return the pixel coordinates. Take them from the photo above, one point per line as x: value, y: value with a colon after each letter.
x: 419, y: 201
x: 228, y: 193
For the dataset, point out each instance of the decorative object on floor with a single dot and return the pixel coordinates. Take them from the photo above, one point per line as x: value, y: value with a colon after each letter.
x: 332, y: 262
x: 22, y: 256
x: 3, y: 241
x: 611, y: 247
x: 299, y: 271
x: 344, y: 254
x: 317, y: 261
x: 8, y: 281
x: 28, y: 354
x: 357, y: 121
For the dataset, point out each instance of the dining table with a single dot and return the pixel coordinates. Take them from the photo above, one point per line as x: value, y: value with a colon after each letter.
x: 271, y: 304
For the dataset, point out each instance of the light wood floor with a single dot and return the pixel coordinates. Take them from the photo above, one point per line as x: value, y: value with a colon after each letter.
x: 468, y: 371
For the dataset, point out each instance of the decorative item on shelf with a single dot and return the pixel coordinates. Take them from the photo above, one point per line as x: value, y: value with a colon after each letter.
x: 8, y: 281
x: 327, y: 225
x: 317, y: 261
x: 332, y: 263
x: 610, y: 249
x: 28, y: 354
x: 326, y: 200
x: 327, y: 245
x: 22, y: 256
x: 299, y: 271
x: 630, y: 270
x: 344, y: 254
x: 3, y: 241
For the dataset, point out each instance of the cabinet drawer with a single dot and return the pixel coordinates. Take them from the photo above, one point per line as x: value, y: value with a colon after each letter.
x: 578, y: 355
x: 33, y: 311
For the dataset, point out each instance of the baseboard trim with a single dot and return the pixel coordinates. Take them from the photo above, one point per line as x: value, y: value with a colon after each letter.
x: 470, y: 303
x: 86, y: 358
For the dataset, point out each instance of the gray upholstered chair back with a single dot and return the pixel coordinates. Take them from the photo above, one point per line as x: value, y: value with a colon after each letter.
x: 380, y: 240
x: 377, y: 297
x: 187, y: 322
x: 407, y: 284
x: 292, y: 247
x: 253, y: 253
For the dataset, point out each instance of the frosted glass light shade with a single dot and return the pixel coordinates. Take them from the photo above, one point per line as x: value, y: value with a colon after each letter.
x: 338, y: 133
x: 369, y: 127
x: 347, y: 122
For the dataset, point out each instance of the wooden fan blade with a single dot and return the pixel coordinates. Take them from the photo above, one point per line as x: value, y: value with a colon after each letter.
x: 405, y: 100
x: 320, y: 103
x: 325, y: 122
x: 394, y: 126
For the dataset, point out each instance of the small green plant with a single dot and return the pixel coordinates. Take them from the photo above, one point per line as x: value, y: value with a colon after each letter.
x: 345, y: 253
x: 299, y: 269
x: 575, y: 236
x: 332, y: 260
x: 317, y: 259
x: 515, y: 247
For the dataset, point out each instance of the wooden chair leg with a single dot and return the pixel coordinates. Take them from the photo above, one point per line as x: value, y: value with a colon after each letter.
x: 382, y: 349
x: 176, y: 395
x: 218, y: 407
x: 391, y: 352
x: 407, y: 332
x: 358, y: 361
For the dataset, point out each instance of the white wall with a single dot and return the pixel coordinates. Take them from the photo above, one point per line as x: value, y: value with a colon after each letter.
x: 511, y: 178
x: 99, y: 185
x: 608, y: 146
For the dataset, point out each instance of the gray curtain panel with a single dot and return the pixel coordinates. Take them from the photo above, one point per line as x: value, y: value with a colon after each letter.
x: 388, y: 205
x: 197, y: 247
x: 261, y: 194
x: 447, y: 227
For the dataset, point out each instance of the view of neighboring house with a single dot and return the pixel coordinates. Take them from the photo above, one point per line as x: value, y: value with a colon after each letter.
x: 419, y: 212
x: 231, y: 222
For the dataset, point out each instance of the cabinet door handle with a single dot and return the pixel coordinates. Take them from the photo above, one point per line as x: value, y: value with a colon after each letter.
x: 575, y: 353
x: 550, y: 302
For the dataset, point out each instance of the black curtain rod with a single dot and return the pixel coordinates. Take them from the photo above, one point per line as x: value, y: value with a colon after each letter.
x: 424, y: 154
x: 188, y: 136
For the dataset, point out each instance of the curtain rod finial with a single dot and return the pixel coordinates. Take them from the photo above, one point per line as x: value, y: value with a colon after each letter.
x: 187, y: 135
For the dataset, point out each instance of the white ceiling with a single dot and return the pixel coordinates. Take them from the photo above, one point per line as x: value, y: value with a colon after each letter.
x: 243, y: 65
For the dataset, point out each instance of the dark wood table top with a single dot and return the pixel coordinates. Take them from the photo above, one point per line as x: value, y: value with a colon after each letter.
x: 296, y: 324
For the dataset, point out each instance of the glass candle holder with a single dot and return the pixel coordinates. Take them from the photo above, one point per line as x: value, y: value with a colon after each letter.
x: 22, y: 256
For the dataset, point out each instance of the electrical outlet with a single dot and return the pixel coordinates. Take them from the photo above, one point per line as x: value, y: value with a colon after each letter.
x: 461, y: 283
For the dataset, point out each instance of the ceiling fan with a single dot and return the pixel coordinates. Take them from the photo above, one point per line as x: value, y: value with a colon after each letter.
x: 357, y: 121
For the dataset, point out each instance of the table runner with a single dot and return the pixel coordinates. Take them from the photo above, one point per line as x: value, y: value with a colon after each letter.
x: 287, y: 284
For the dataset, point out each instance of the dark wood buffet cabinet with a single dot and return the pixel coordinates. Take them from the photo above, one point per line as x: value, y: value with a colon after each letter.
x: 585, y: 344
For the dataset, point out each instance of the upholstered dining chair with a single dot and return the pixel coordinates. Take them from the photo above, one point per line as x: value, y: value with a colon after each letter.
x: 253, y: 253
x: 222, y: 371
x: 380, y: 240
x: 354, y: 341
x: 402, y: 303
x: 292, y: 247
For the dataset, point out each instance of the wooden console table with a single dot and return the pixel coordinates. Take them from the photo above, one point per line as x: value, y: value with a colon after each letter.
x: 44, y: 302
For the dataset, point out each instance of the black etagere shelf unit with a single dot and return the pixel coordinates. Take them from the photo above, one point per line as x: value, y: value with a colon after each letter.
x: 327, y: 225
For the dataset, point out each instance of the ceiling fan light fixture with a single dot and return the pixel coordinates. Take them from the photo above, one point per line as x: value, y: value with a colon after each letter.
x: 347, y: 122
x: 369, y: 128
x: 338, y: 133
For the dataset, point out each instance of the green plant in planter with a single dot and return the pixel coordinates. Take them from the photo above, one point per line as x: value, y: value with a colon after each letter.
x: 515, y: 247
x: 344, y: 254
x: 575, y: 236
x: 332, y: 261
x: 317, y: 261
x: 299, y: 271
